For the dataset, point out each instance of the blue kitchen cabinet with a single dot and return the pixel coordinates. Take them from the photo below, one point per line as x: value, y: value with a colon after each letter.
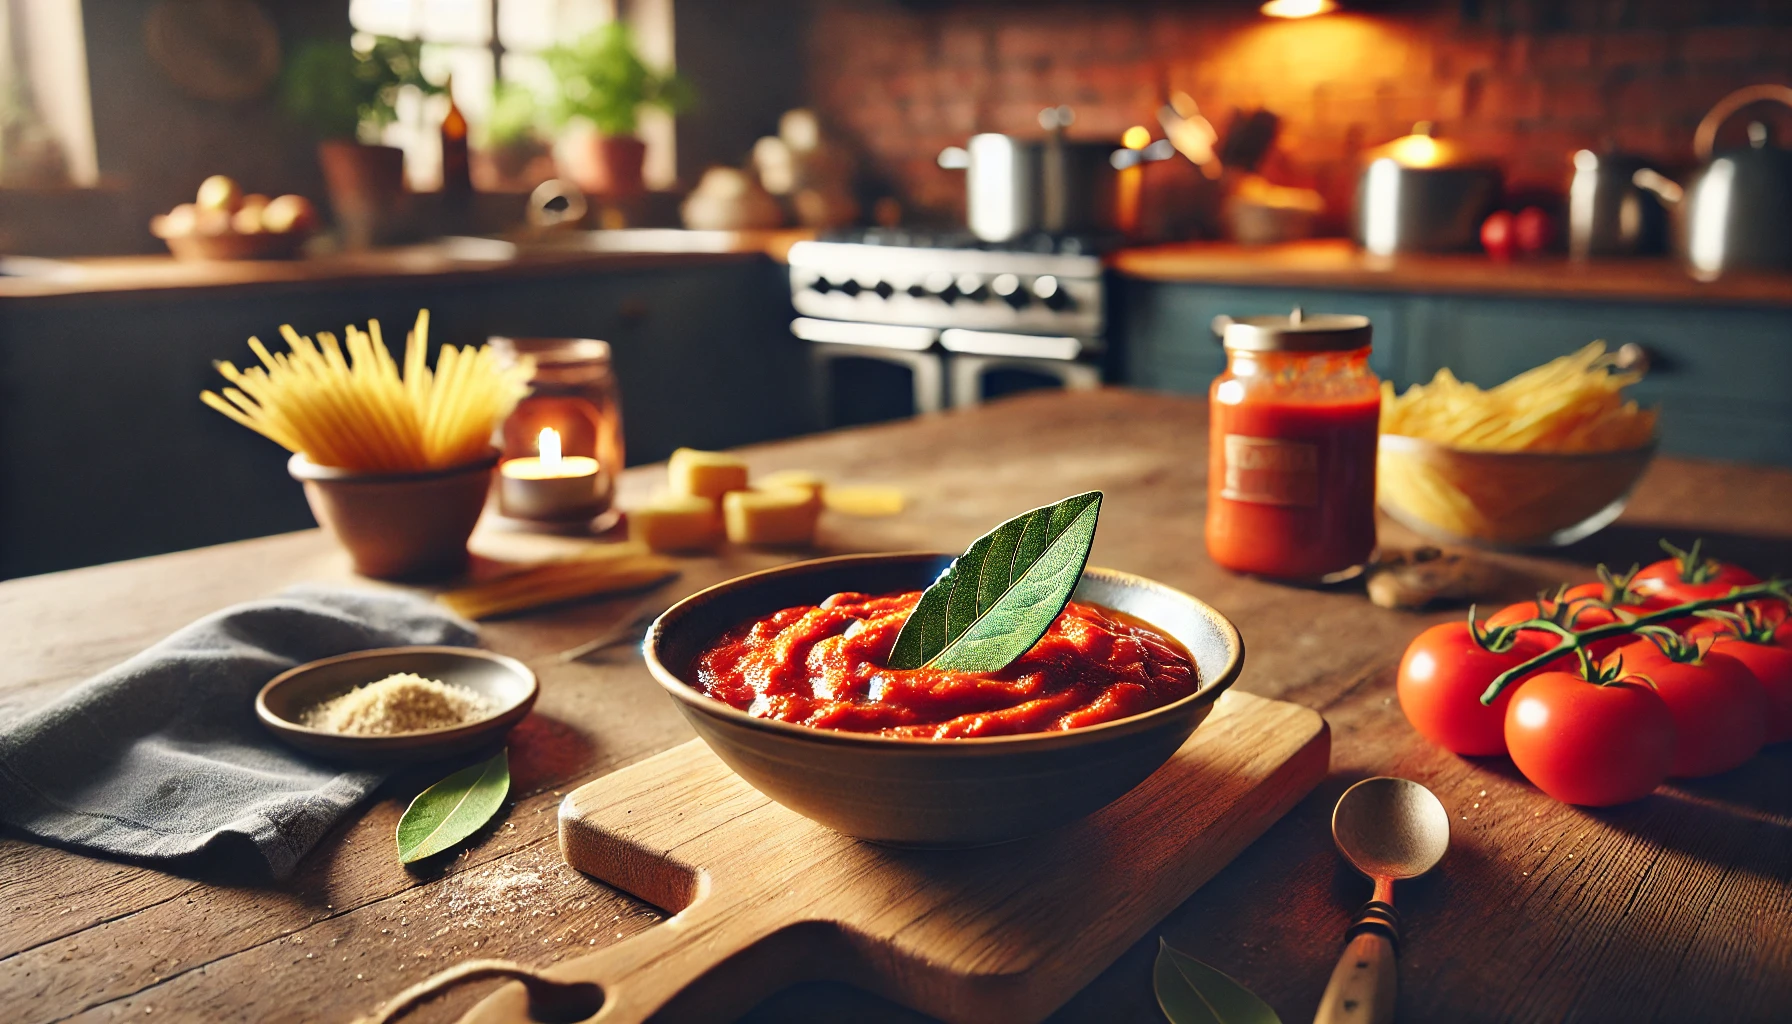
x: 1722, y: 375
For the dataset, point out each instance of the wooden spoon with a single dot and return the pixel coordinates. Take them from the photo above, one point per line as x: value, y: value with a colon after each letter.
x: 1386, y: 828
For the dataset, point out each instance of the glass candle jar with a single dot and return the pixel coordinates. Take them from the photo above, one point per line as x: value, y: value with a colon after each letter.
x: 562, y: 447
x: 1291, y: 462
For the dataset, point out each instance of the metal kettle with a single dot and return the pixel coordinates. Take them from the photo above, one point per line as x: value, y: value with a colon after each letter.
x: 1735, y: 212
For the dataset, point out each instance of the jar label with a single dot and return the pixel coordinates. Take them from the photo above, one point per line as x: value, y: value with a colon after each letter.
x: 1270, y: 471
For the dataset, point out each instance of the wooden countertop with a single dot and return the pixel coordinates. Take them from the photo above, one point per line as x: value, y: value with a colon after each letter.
x: 451, y: 258
x: 1678, y: 907
x: 1336, y: 263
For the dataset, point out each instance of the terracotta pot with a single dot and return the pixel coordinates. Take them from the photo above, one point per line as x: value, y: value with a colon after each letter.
x: 399, y: 525
x: 608, y: 166
x: 366, y: 189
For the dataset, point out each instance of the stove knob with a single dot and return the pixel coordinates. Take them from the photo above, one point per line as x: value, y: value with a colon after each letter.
x: 1007, y: 287
x: 1051, y: 292
x: 918, y: 291
x: 820, y: 286
x: 884, y: 289
x: 939, y: 285
x: 971, y: 287
x: 850, y: 287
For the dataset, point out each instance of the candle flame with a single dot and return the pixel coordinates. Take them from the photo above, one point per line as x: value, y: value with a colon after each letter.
x: 1298, y: 8
x: 549, y: 446
x: 1136, y: 137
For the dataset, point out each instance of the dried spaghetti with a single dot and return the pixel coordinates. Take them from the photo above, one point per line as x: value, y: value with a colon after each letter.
x: 354, y: 411
x: 1571, y: 404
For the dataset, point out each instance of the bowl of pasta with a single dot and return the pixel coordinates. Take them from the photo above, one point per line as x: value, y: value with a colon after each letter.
x: 1543, y: 460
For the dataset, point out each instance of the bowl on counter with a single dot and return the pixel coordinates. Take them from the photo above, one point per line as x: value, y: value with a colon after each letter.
x: 1504, y: 499
x: 231, y: 246
x: 936, y: 793
x: 508, y: 686
x: 399, y: 526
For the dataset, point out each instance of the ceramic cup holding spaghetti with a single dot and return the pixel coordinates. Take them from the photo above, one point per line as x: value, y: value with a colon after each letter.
x: 396, y: 467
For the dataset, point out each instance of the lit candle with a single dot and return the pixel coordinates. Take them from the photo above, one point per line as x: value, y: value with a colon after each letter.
x: 549, y: 487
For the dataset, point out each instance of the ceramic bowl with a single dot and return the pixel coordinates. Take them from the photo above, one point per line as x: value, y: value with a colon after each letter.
x: 936, y: 793
x: 399, y: 526
x: 505, y: 683
x: 1504, y: 499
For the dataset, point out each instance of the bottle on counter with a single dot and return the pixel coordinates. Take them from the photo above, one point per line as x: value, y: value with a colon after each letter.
x: 1294, y: 422
x: 457, y: 171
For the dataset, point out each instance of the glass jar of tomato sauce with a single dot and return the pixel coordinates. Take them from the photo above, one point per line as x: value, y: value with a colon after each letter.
x: 1291, y: 463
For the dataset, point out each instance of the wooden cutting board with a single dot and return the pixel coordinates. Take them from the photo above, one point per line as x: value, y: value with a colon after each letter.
x: 765, y: 898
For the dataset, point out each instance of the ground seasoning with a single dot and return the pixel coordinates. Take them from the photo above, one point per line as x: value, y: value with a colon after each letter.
x: 402, y: 702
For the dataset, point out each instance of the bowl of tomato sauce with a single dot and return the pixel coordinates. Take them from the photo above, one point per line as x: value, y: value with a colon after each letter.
x: 784, y: 674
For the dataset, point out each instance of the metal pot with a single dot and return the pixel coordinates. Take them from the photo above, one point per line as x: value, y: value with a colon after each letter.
x: 1419, y: 194
x: 1016, y: 186
x: 1608, y: 214
x: 1736, y: 211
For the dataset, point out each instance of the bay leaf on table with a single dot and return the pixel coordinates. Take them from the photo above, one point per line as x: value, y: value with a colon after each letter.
x: 1190, y: 992
x: 998, y: 598
x: 453, y: 809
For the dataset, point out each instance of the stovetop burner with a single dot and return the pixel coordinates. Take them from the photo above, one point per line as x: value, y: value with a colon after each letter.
x: 959, y: 238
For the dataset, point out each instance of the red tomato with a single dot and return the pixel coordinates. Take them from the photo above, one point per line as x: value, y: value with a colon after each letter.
x: 1688, y: 577
x: 1589, y: 743
x: 1496, y: 235
x: 1442, y: 676
x: 1767, y: 651
x: 1533, y: 230
x: 1720, y: 709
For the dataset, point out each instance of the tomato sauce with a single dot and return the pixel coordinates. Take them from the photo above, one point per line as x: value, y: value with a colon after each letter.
x: 1291, y: 464
x: 825, y: 666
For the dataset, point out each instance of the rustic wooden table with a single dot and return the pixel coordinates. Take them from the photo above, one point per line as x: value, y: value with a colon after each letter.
x: 1676, y: 908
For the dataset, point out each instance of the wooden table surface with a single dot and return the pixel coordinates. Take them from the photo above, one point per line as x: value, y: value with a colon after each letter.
x: 1678, y: 907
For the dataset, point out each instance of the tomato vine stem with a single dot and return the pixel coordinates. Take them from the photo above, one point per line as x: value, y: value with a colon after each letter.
x: 1576, y: 642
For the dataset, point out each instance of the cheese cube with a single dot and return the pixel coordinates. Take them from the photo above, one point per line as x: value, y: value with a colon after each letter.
x: 797, y: 480
x: 780, y: 518
x: 869, y: 502
x: 676, y: 522
x: 705, y: 474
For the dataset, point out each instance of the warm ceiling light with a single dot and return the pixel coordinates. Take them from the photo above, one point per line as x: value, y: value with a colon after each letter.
x: 1136, y: 137
x: 1298, y: 8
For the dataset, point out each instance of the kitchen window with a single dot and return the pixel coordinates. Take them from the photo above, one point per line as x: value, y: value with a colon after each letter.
x: 482, y: 42
x: 46, y: 120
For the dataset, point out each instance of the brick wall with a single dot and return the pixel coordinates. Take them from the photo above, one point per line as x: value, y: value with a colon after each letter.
x: 1527, y: 81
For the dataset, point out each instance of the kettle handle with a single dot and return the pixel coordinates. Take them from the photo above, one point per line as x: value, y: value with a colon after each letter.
x: 1706, y: 136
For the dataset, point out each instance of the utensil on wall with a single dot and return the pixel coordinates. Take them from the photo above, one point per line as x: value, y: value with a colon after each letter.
x: 1391, y: 830
x: 1735, y: 212
x: 1420, y: 193
x: 1609, y: 214
x: 220, y: 50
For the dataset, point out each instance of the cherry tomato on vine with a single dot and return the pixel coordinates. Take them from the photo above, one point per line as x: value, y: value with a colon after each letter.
x: 1687, y: 576
x: 1442, y: 676
x: 1720, y: 709
x: 1590, y: 743
x: 1576, y: 613
x: 1764, y: 644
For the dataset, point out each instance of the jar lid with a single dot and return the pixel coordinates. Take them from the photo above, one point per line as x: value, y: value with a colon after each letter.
x: 1297, y: 332
x: 553, y: 351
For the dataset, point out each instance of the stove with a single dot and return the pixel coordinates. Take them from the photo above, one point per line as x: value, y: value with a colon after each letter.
x: 950, y: 288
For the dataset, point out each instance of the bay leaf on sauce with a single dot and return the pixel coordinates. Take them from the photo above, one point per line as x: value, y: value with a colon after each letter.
x: 995, y: 601
x: 1190, y: 992
x: 453, y: 809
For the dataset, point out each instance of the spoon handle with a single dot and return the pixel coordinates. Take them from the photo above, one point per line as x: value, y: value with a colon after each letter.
x: 1363, y: 984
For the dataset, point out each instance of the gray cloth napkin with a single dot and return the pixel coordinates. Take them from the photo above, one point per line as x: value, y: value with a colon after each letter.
x: 162, y: 757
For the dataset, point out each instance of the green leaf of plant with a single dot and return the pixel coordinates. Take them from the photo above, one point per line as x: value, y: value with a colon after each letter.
x: 453, y: 809
x: 1190, y: 992
x: 995, y: 601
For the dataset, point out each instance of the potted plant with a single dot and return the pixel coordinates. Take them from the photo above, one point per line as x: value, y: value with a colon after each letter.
x: 348, y: 93
x: 604, y: 83
x: 511, y: 151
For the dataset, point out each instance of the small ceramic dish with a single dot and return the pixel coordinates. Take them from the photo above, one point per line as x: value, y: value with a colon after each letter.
x: 506, y: 684
x: 937, y: 793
